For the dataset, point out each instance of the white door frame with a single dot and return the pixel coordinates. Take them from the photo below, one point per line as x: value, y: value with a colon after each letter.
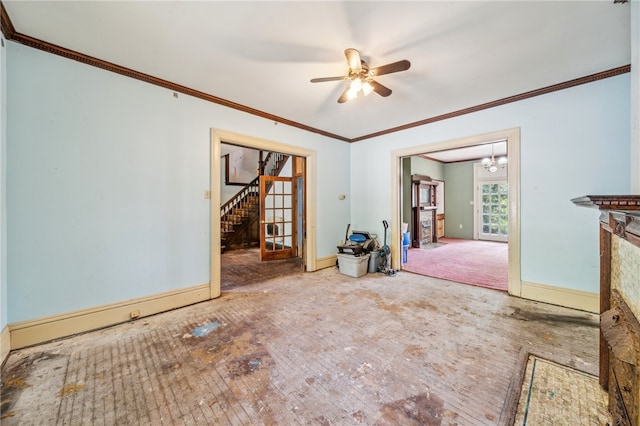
x: 512, y: 136
x: 217, y: 137
x: 481, y: 176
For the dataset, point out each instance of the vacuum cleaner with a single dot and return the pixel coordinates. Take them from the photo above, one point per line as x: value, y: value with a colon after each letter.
x: 385, y: 254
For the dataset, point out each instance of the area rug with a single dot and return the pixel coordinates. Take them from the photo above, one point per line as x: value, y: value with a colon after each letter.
x: 481, y: 263
x: 554, y: 394
x: 433, y: 246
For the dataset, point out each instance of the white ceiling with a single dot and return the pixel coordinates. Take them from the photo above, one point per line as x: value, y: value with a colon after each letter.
x: 476, y: 152
x: 262, y: 54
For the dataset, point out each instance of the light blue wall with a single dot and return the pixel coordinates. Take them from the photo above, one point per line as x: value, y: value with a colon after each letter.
x: 105, y: 177
x: 458, y: 192
x: 635, y: 100
x: 105, y: 183
x: 573, y: 142
x: 3, y: 185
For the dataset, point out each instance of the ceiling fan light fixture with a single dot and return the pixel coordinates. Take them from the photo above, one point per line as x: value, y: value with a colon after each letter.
x: 352, y: 93
x: 361, y: 76
x: 367, y: 88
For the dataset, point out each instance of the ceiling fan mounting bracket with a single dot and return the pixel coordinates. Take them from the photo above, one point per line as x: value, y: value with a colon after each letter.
x: 362, y: 74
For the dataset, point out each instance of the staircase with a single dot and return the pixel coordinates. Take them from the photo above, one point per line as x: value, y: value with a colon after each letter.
x: 240, y: 216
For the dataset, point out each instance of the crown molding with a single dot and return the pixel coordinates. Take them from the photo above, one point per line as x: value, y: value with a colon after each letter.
x: 6, y: 26
x: 515, y: 98
x: 11, y: 34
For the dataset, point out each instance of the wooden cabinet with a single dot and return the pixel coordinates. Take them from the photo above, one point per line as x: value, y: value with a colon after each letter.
x: 439, y: 225
x: 423, y: 211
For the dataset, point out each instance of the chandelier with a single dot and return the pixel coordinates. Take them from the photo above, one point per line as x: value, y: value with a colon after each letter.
x: 491, y: 164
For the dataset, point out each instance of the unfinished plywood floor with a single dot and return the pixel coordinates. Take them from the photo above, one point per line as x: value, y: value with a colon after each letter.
x: 316, y: 348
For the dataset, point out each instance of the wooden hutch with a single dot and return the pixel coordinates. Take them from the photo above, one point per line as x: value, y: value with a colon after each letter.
x: 423, y: 211
x: 619, y: 302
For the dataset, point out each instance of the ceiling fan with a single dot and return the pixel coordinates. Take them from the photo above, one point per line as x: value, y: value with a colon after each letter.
x: 361, y: 76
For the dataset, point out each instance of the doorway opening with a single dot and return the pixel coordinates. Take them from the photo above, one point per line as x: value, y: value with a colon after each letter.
x: 267, y: 227
x: 460, y: 210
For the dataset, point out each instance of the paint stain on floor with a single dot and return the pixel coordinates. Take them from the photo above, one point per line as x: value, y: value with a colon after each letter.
x: 70, y: 389
x: 424, y: 409
x: 205, y: 329
x: 15, y: 381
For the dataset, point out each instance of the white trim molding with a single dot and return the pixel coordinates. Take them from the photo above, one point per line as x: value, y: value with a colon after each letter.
x: 41, y: 330
x: 512, y: 136
x: 217, y: 137
x: 570, y: 298
x: 5, y: 343
x: 326, y: 262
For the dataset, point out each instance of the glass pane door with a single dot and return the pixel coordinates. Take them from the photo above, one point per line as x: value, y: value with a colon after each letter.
x: 494, y: 211
x: 277, y: 216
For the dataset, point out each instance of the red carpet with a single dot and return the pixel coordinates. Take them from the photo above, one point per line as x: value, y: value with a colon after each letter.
x: 482, y: 263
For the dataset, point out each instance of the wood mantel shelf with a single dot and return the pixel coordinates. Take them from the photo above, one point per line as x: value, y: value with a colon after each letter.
x: 620, y: 214
x: 609, y: 202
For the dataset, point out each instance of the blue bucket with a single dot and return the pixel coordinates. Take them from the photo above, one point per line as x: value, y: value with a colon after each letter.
x: 406, y: 240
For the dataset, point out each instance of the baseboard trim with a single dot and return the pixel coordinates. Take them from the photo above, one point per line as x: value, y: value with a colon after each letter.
x: 41, y: 330
x: 326, y: 262
x: 5, y: 343
x: 575, y: 299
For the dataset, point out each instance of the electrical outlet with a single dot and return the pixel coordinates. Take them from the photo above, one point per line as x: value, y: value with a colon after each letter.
x: 460, y: 226
x: 134, y: 314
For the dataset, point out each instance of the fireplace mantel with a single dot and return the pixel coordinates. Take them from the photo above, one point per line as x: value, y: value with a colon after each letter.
x: 620, y: 213
x: 623, y: 203
x: 619, y: 302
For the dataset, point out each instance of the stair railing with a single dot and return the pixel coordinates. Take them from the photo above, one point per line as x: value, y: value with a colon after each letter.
x: 273, y: 164
x: 252, y: 188
x: 270, y: 166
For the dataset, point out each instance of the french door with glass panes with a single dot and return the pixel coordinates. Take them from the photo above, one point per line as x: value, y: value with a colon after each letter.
x: 277, y: 218
x: 493, y: 214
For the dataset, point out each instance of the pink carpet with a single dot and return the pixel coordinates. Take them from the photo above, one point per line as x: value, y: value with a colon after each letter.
x: 482, y: 263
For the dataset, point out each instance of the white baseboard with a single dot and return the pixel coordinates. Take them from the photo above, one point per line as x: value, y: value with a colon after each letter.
x: 41, y: 330
x: 576, y: 299
x: 326, y: 262
x: 32, y: 332
x: 5, y: 343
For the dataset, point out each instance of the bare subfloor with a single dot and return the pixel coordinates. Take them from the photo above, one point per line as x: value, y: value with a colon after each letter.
x: 243, y: 266
x: 315, y: 348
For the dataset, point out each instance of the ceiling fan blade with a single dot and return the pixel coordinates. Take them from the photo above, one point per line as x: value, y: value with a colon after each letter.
x: 344, y: 97
x: 380, y: 89
x: 353, y: 59
x: 390, y: 68
x: 322, y: 79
